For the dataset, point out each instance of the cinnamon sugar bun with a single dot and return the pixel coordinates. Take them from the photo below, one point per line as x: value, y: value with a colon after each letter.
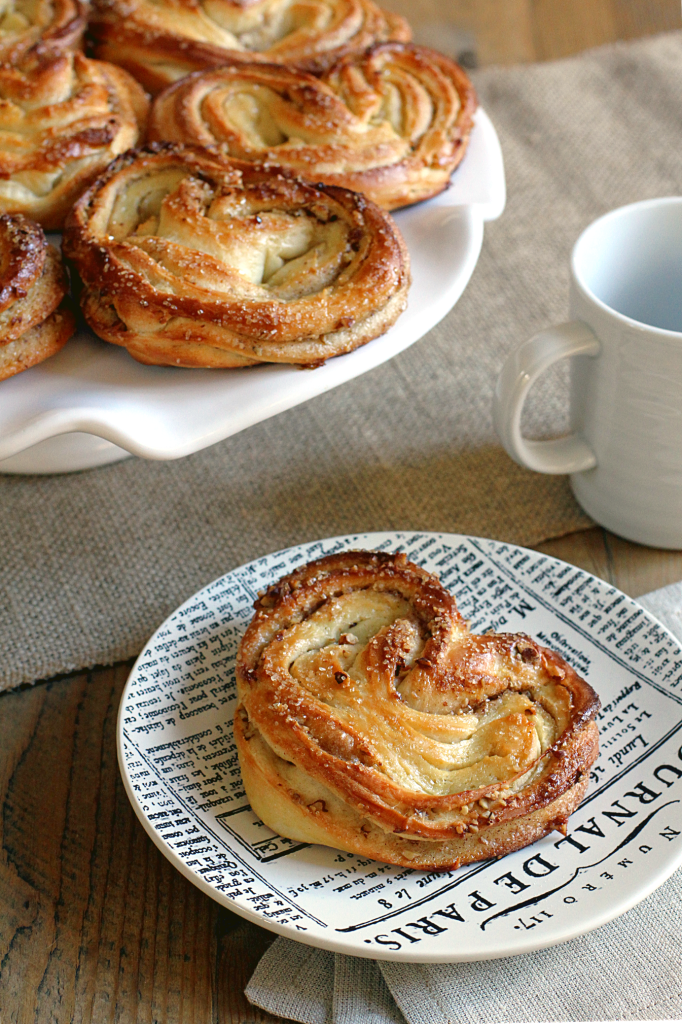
x: 37, y: 28
x: 159, y: 41
x: 392, y: 123
x: 34, y: 321
x: 191, y: 259
x: 62, y: 120
x: 370, y: 719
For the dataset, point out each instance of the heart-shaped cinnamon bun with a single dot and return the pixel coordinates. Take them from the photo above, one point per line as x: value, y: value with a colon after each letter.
x: 392, y: 123
x: 160, y: 41
x: 62, y: 120
x: 38, y: 28
x: 371, y: 720
x: 34, y: 321
x: 191, y: 259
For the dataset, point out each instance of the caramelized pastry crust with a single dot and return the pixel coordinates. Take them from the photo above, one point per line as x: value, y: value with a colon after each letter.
x: 371, y: 720
x: 392, y: 123
x: 159, y: 42
x: 191, y: 259
x: 62, y: 120
x: 34, y: 321
x: 38, y: 28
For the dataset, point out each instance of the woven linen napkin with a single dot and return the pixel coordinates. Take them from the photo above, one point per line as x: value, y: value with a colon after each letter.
x: 630, y: 969
x: 91, y: 563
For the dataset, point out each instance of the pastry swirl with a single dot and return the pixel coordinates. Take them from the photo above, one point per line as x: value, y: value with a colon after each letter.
x: 191, y: 259
x: 62, y: 120
x: 159, y: 42
x: 392, y: 123
x: 371, y: 720
x: 34, y: 321
x: 38, y: 28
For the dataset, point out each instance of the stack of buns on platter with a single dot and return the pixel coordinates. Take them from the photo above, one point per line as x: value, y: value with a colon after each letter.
x: 222, y: 172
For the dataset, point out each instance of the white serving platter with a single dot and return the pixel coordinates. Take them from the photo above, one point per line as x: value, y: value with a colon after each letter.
x: 92, y: 403
x: 181, y: 772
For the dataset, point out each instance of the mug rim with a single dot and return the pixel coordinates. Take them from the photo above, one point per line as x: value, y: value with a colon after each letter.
x: 587, y: 292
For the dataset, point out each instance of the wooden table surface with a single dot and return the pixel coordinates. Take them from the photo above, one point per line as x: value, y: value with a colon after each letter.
x: 95, y: 925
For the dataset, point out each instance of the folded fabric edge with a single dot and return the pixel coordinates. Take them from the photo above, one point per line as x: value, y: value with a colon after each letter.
x: 294, y: 981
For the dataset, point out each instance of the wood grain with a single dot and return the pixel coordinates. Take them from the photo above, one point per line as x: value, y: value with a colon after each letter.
x: 631, y: 567
x: 95, y: 925
x: 515, y: 31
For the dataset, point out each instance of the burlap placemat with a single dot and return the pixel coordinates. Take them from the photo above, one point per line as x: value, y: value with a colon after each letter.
x: 93, y: 562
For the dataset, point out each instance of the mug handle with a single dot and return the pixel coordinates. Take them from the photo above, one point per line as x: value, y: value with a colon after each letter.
x: 522, y: 368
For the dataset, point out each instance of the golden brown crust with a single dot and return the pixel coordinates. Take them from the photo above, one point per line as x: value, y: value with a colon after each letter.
x: 38, y: 343
x: 161, y: 42
x: 35, y: 29
x: 392, y: 123
x: 370, y: 719
x: 62, y: 119
x: 34, y: 320
x: 191, y: 259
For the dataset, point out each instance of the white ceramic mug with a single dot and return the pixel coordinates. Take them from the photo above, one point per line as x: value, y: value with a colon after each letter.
x: 624, y: 455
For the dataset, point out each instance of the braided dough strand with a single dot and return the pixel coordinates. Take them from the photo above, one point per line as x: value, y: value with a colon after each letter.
x: 34, y: 322
x: 370, y: 719
x: 160, y: 42
x: 38, y: 28
x: 62, y: 120
x: 191, y: 259
x: 392, y: 123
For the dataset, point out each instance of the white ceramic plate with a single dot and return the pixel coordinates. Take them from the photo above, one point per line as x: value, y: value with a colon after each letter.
x: 181, y: 772
x: 94, y: 404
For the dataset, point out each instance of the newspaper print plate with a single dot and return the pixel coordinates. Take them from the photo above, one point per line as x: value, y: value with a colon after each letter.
x: 181, y: 773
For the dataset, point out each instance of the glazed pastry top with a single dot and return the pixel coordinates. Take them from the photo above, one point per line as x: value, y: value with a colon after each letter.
x: 360, y: 671
x: 392, y: 123
x: 246, y: 259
